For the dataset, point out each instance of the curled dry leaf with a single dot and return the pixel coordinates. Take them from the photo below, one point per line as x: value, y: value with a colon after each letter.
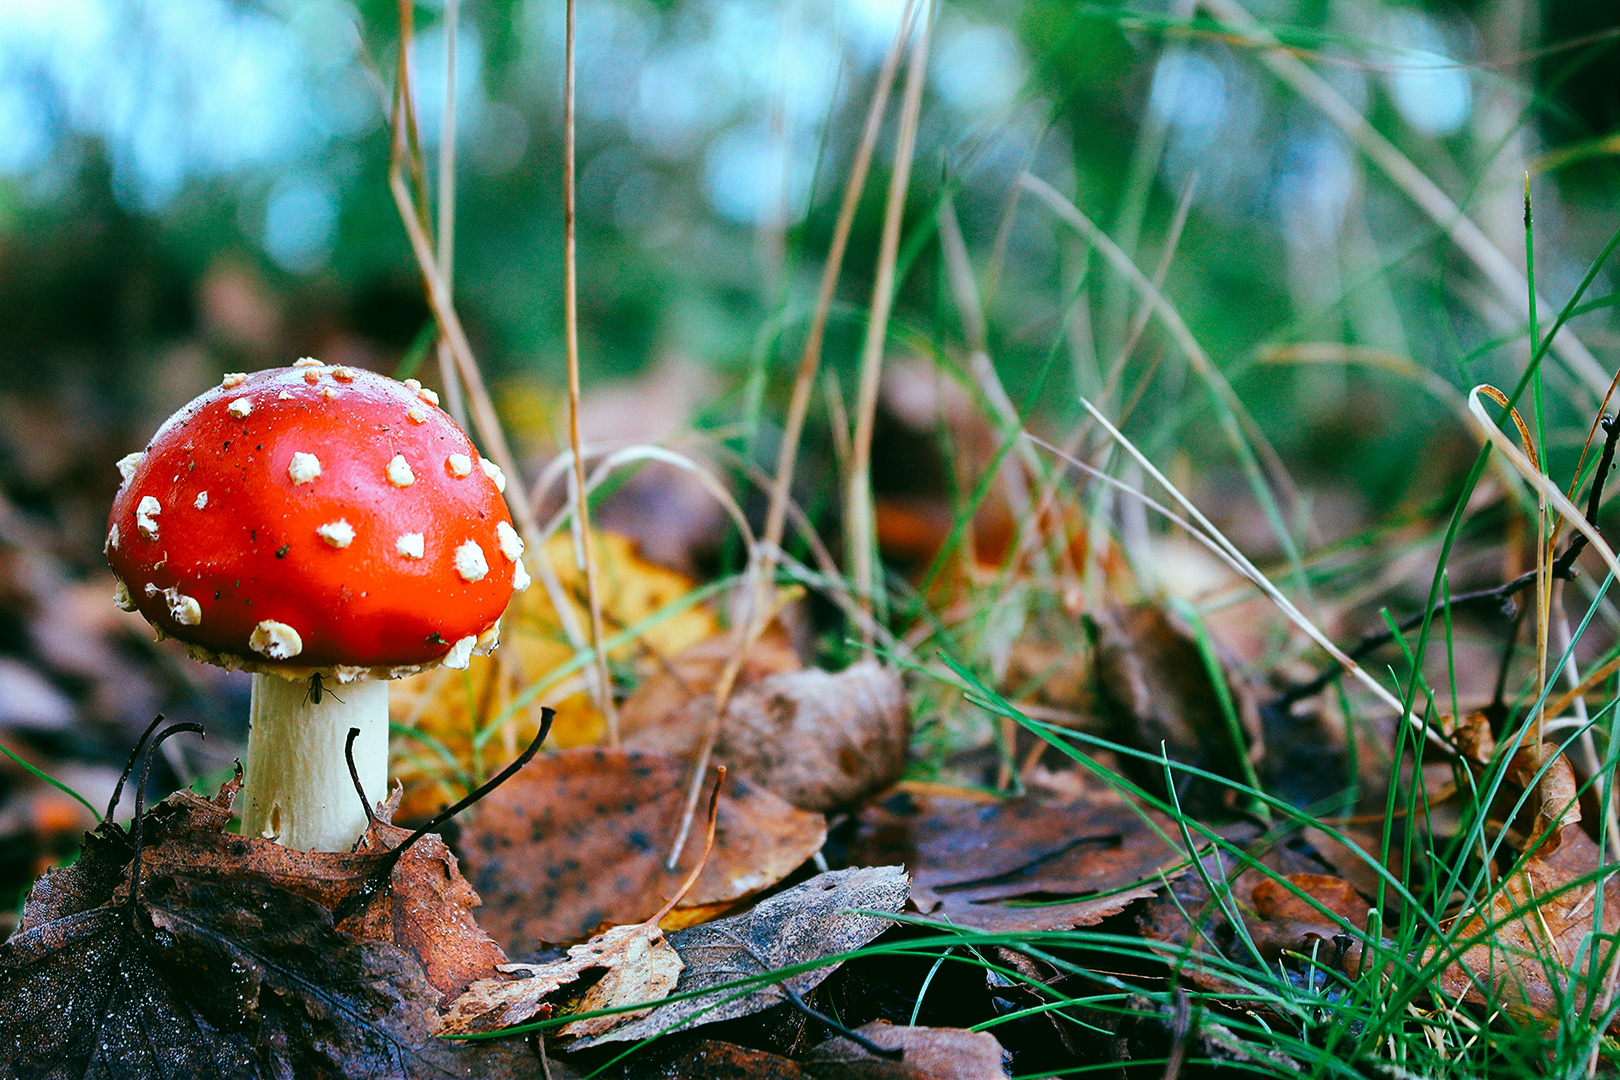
x: 427, y: 909
x: 1554, y: 796
x: 928, y: 1054
x: 203, y: 972
x: 822, y: 917
x: 1024, y: 864
x: 637, y: 963
x: 1185, y: 925
x: 578, y: 840
x: 820, y: 740
x: 1520, y: 945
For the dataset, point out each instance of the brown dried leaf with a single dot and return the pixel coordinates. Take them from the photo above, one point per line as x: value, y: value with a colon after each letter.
x: 819, y: 740
x: 1535, y: 925
x: 929, y: 1054
x: 210, y: 974
x: 426, y: 910
x: 1555, y: 800
x: 1150, y: 670
x: 1275, y: 901
x: 578, y: 840
x: 710, y: 1059
x: 1188, y: 923
x: 638, y: 965
x: 969, y: 860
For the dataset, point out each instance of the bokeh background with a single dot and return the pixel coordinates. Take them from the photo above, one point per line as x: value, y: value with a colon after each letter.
x: 195, y: 186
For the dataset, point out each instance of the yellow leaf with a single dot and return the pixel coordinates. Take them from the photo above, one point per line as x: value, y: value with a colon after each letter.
x: 465, y: 724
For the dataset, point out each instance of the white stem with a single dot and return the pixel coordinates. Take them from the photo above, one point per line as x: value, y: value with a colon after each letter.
x: 298, y: 788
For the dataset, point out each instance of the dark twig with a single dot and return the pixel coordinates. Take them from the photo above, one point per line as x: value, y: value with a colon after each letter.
x: 138, y: 825
x: 1563, y: 568
x: 385, y: 869
x: 129, y: 766
x: 354, y: 774
x: 897, y: 1053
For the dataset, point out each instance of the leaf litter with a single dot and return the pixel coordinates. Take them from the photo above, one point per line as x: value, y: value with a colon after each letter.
x: 177, y: 949
x: 578, y: 840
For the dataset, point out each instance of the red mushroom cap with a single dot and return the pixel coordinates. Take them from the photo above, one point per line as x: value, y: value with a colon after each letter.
x: 315, y: 518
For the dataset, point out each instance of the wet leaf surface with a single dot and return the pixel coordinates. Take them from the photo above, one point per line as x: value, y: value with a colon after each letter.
x: 820, y: 918
x: 578, y: 840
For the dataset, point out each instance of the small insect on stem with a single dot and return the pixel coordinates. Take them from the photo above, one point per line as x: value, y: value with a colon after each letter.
x: 317, y: 691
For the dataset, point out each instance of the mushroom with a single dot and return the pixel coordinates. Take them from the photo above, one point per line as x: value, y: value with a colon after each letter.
x: 318, y: 527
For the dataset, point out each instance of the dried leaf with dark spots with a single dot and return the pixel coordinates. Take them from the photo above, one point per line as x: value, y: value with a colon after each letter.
x: 929, y: 1054
x: 820, y: 918
x: 578, y: 840
x: 1021, y: 864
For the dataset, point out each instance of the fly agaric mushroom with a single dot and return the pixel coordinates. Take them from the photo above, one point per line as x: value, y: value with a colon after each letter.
x: 326, y: 530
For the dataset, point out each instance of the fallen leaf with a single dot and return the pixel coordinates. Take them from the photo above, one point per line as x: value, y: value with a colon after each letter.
x: 709, y: 1059
x: 651, y: 715
x: 1022, y: 864
x: 638, y: 965
x: 427, y: 908
x: 1554, y: 796
x: 209, y: 976
x: 1309, y: 924
x: 1184, y: 926
x: 820, y: 918
x: 449, y: 707
x: 1537, y: 925
x: 1150, y: 669
x: 820, y: 740
x: 928, y: 1054
x: 577, y: 840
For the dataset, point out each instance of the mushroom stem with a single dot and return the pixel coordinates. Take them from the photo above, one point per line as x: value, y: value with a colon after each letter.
x: 298, y: 787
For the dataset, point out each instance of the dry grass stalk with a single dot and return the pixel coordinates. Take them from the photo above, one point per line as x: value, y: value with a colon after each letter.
x: 582, y: 514
x: 858, y: 516
x: 454, y: 402
x: 766, y: 555
x: 405, y: 155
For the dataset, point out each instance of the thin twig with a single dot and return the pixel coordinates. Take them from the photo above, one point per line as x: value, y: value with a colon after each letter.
x: 138, y: 825
x: 708, y: 846
x: 1563, y: 569
x: 582, y: 513
x: 888, y: 1053
x: 129, y: 766
x: 385, y: 868
x: 354, y: 775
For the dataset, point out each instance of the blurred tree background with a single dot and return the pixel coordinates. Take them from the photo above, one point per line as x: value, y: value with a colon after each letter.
x: 189, y: 187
